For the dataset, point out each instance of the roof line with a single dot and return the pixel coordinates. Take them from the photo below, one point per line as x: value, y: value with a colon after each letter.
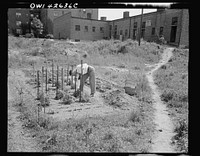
x: 89, y: 19
x: 62, y: 15
x: 135, y: 16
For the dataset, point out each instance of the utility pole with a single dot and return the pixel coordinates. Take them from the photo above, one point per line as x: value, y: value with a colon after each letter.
x: 140, y: 27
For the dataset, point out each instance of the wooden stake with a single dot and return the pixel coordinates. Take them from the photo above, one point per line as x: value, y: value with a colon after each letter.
x: 62, y: 78
x: 52, y: 73
x: 42, y: 77
x: 72, y: 76
x: 38, y: 83
x: 67, y: 73
x: 75, y: 81
x: 57, y: 80
x: 46, y: 81
x: 38, y: 114
x: 34, y: 71
x: 81, y: 79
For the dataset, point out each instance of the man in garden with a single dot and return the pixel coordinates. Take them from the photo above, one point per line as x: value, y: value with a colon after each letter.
x: 87, y: 71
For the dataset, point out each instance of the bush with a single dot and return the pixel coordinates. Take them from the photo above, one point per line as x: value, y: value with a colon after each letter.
x: 135, y: 116
x: 67, y: 99
x: 59, y: 95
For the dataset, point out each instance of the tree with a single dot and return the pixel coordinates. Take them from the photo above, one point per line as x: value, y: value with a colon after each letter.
x: 37, y: 27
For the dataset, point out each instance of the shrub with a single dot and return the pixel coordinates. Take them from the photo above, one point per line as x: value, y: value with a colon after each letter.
x: 67, y: 99
x: 59, y: 95
x: 167, y: 96
x: 135, y: 116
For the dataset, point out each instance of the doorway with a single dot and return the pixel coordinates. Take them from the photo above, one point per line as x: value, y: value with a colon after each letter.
x: 173, y: 34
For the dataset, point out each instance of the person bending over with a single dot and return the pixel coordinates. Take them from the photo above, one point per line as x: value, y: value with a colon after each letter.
x: 87, y: 71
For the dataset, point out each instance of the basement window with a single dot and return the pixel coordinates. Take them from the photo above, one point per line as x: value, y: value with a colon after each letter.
x: 77, y: 27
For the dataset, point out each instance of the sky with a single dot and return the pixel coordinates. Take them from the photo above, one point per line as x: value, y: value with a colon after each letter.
x: 112, y: 14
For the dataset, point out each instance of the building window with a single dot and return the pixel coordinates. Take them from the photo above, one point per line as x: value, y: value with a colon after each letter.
x: 174, y: 20
x: 77, y: 27
x: 121, y: 32
x: 134, y: 33
x: 115, y: 30
x: 18, y: 23
x: 142, y: 33
x: 18, y: 14
x: 86, y: 28
x: 89, y: 15
x: 93, y: 29
x: 101, y: 30
x: 143, y: 24
x: 153, y: 31
x: 126, y: 32
x: 18, y: 31
x: 161, y: 31
x: 135, y: 25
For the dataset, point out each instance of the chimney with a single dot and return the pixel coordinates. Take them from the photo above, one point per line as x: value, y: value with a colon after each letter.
x: 103, y: 18
x: 125, y: 14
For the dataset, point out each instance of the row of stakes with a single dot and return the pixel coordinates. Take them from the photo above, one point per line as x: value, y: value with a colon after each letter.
x: 45, y: 72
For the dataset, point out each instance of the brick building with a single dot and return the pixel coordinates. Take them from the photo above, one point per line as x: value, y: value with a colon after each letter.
x: 16, y: 18
x: 76, y: 28
x: 83, y: 24
x: 173, y: 24
x: 48, y: 16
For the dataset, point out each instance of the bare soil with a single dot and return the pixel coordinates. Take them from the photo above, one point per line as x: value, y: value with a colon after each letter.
x: 164, y: 129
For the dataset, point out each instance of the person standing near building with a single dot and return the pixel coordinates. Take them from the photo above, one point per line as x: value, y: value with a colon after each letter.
x: 87, y: 71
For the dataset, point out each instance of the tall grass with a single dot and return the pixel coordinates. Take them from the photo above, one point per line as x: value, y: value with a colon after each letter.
x: 173, y: 83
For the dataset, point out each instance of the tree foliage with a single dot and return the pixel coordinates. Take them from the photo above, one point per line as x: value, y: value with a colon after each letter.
x: 37, y: 27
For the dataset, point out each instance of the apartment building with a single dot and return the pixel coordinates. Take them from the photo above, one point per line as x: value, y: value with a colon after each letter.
x: 16, y: 18
x: 83, y: 24
x: 173, y: 24
x: 48, y: 16
x: 76, y: 28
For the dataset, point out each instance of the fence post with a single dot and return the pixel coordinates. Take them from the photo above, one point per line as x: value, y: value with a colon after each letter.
x: 81, y: 80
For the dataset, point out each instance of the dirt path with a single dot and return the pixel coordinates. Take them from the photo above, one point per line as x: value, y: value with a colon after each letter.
x: 164, y: 129
x: 18, y: 139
